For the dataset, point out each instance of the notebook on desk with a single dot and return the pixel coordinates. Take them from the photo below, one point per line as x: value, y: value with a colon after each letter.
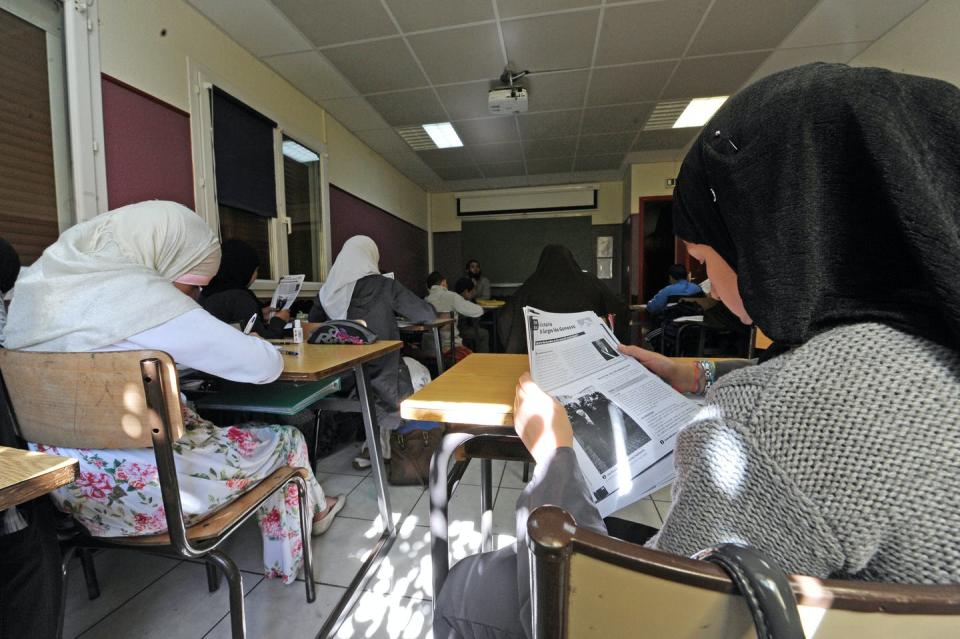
x: 278, y: 398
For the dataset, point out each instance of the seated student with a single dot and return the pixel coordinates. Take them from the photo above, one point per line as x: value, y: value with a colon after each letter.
x: 228, y: 296
x: 454, y: 305
x: 127, y: 280
x: 9, y: 269
x: 355, y: 290
x: 679, y: 285
x: 559, y: 285
x: 471, y: 330
x: 481, y: 281
x: 845, y: 447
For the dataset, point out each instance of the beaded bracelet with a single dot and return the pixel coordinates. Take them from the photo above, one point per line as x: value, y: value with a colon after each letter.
x: 709, y: 374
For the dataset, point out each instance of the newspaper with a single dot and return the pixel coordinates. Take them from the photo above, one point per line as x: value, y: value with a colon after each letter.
x: 287, y: 290
x: 625, y: 419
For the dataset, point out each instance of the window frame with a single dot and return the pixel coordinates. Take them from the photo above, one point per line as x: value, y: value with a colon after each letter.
x: 202, y: 79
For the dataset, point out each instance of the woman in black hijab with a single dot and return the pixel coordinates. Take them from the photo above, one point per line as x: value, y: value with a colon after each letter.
x: 229, y: 298
x: 9, y: 269
x: 559, y: 285
x: 825, y: 203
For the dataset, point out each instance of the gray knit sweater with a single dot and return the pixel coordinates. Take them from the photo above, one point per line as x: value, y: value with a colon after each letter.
x: 841, y: 459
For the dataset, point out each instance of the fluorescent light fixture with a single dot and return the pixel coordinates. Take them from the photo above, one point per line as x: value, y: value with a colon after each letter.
x: 299, y: 153
x: 443, y: 135
x: 699, y: 112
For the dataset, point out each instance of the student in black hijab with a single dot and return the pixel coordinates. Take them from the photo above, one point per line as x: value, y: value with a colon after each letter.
x: 229, y: 298
x: 9, y: 269
x: 559, y: 285
x: 825, y: 203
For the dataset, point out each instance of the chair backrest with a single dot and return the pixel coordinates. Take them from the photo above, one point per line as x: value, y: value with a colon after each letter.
x: 590, y: 585
x: 89, y: 400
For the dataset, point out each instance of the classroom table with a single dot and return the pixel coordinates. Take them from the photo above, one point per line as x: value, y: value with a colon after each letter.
x: 26, y: 475
x: 492, y: 307
x: 434, y: 327
x: 320, y: 361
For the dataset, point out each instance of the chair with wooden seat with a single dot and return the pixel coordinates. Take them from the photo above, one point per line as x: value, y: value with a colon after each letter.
x: 131, y: 399
x: 590, y: 585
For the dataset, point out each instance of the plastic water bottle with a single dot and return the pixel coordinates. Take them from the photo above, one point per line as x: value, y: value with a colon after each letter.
x: 297, y: 332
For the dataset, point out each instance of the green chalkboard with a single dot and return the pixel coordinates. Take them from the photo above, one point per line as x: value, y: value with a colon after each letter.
x: 508, y: 250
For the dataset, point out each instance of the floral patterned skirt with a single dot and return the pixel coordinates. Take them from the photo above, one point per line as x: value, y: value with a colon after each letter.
x: 117, y: 492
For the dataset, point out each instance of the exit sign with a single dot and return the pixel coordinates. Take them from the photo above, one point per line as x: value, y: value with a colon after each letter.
x: 669, y: 183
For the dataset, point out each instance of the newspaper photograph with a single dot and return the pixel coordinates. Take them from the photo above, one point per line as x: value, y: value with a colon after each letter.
x: 625, y: 419
x: 287, y: 290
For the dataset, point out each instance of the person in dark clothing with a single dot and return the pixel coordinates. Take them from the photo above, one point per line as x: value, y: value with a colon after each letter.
x: 355, y: 290
x: 559, y: 285
x: 229, y: 298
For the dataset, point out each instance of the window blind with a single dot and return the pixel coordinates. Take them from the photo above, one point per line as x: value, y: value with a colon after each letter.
x: 28, y: 191
x: 243, y: 156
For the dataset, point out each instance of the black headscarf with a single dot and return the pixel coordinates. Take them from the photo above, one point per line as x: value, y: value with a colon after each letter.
x: 238, y: 261
x: 9, y: 265
x: 834, y: 192
x: 559, y: 285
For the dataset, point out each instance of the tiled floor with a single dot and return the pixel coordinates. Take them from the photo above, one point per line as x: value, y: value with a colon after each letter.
x: 145, y: 596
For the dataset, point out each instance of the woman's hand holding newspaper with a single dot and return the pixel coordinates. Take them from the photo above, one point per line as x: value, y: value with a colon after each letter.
x: 540, y: 420
x: 681, y: 376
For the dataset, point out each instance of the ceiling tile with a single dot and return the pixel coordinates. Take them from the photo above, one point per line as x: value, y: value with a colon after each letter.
x: 446, y: 157
x: 664, y: 139
x: 552, y: 91
x: 598, y: 162
x: 551, y: 43
x: 466, y: 101
x: 552, y: 124
x: 552, y: 165
x: 597, y: 176
x: 466, y: 185
x: 508, y: 182
x: 255, y: 24
x: 629, y: 83
x: 458, y: 55
x: 564, y: 177
x: 652, y: 157
x: 458, y: 172
x: 502, y: 170
x: 630, y: 117
x: 834, y: 21
x: 497, y: 152
x: 355, y: 114
x: 704, y: 77
x: 552, y: 148
x: 313, y: 74
x: 733, y: 25
x: 419, y: 106
x: 334, y: 21
x: 513, y: 8
x: 384, y: 141
x: 498, y: 129
x: 415, y: 15
x: 783, y: 59
x: 382, y: 65
x: 648, y: 31
x: 604, y: 144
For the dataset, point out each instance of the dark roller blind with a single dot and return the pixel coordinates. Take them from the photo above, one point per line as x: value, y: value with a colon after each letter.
x: 243, y: 156
x: 28, y: 191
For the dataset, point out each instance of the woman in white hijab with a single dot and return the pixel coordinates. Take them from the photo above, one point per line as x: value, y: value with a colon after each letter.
x: 127, y: 280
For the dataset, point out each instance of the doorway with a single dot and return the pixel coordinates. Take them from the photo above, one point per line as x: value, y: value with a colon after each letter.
x: 659, y: 245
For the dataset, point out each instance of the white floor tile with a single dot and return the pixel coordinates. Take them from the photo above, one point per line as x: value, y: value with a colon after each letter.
x: 472, y: 474
x: 362, y: 502
x: 505, y: 512
x: 121, y: 575
x: 278, y: 610
x: 176, y: 605
x: 336, y: 484
x: 377, y: 616
x: 513, y: 475
x: 642, y: 512
x: 340, y: 462
x: 338, y: 553
x: 663, y: 507
x: 464, y: 506
x: 406, y: 568
x: 663, y: 494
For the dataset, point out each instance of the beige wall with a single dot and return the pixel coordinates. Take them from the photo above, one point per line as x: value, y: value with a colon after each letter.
x: 926, y: 43
x: 443, y: 208
x: 133, y: 50
x: 645, y: 180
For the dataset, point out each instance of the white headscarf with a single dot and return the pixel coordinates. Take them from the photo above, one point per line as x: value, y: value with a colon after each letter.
x: 358, y: 258
x: 110, y: 278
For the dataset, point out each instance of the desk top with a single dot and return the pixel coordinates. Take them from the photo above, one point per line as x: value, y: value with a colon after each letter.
x: 26, y: 475
x: 422, y: 327
x: 316, y: 361
x: 479, y: 390
x: 490, y: 303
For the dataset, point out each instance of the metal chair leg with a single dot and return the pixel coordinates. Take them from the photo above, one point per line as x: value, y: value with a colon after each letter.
x: 526, y: 472
x: 213, y: 577
x: 306, y: 522
x: 64, y: 568
x: 238, y: 621
x: 89, y: 572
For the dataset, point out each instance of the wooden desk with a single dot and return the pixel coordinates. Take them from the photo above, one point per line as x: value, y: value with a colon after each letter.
x: 317, y: 361
x: 26, y: 475
x: 434, y: 326
x: 492, y: 308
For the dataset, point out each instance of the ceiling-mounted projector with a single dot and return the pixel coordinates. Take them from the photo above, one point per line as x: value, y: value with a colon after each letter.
x: 507, y: 100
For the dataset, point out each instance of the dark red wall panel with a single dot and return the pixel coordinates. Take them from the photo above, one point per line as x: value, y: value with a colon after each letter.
x: 147, y: 147
x: 403, y: 246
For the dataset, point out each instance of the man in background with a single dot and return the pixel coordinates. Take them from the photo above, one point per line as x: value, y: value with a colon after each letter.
x: 482, y: 283
x: 679, y: 286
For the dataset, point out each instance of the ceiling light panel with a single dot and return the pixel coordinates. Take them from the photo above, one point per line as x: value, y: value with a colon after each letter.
x: 299, y: 153
x: 416, y: 137
x: 665, y: 114
x: 443, y: 135
x: 699, y: 112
